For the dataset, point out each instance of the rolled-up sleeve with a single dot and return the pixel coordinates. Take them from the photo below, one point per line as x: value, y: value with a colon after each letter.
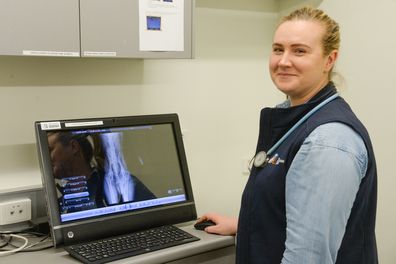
x: 321, y: 187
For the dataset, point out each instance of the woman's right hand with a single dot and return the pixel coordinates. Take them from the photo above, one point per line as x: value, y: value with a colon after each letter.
x: 225, y: 225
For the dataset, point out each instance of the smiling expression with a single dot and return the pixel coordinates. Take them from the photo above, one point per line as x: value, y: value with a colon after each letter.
x: 298, y: 66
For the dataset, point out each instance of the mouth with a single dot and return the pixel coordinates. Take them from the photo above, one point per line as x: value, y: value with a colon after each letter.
x: 285, y: 74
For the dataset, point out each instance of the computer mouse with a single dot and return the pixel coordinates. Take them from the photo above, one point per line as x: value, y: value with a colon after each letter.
x: 204, y: 224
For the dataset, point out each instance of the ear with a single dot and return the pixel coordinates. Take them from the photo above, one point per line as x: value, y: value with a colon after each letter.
x: 331, y: 60
x: 75, y: 146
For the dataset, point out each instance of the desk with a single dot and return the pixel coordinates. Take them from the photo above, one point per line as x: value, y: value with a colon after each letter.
x: 211, y: 249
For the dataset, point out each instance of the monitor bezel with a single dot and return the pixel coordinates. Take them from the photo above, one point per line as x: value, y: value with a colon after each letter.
x: 89, y: 229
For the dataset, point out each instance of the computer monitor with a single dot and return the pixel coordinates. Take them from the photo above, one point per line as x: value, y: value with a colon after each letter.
x: 109, y: 176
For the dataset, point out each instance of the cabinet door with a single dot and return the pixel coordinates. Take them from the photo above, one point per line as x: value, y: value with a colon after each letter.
x: 110, y: 28
x: 39, y: 27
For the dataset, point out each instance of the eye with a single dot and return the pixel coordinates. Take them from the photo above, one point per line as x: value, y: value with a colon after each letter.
x: 277, y: 50
x: 300, y: 51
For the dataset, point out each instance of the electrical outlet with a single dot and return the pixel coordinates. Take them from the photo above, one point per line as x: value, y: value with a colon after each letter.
x: 15, y: 211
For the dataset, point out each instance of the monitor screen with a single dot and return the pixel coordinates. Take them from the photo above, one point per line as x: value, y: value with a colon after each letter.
x: 112, y: 170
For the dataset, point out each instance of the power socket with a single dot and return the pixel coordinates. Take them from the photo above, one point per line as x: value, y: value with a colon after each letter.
x: 15, y: 211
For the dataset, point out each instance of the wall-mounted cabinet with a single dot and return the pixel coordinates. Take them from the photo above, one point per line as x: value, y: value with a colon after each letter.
x: 86, y: 28
x: 39, y: 27
x: 111, y: 28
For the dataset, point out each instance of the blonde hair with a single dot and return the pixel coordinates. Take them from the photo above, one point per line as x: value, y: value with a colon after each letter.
x: 331, y: 38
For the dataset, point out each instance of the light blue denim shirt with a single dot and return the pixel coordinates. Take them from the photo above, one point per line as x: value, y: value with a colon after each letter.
x: 321, y: 187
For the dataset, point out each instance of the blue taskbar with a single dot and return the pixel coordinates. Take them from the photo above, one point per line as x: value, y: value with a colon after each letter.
x: 122, y: 208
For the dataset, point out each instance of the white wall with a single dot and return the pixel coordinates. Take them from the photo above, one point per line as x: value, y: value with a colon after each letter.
x: 218, y: 96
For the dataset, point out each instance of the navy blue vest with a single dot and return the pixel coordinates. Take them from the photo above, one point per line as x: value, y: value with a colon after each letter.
x: 262, y: 219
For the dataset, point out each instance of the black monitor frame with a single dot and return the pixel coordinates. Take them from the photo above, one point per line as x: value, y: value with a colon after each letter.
x: 91, y: 229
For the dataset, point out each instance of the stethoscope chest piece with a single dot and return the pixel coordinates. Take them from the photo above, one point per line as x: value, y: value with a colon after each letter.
x: 260, y: 159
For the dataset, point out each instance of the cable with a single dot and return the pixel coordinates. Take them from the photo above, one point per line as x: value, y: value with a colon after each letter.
x: 10, y: 252
x: 44, y: 242
x: 36, y: 243
x: 40, y: 240
x: 5, y: 243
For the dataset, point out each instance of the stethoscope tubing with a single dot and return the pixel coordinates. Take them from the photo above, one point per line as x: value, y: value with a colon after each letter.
x: 315, y: 109
x: 264, y: 156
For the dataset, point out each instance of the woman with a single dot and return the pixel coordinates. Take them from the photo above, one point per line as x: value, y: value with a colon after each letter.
x: 313, y: 200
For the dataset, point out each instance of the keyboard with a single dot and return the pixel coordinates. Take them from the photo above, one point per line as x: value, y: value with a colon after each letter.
x: 123, y: 246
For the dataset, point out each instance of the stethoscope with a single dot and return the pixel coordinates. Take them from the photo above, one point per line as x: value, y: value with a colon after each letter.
x: 261, y: 158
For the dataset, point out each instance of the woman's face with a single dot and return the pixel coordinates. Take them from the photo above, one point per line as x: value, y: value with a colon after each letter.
x: 297, y: 64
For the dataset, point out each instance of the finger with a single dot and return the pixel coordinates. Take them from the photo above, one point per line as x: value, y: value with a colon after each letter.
x: 213, y: 229
x: 201, y: 219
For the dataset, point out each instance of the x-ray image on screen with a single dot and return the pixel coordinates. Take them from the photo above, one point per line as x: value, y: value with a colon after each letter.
x: 96, y: 169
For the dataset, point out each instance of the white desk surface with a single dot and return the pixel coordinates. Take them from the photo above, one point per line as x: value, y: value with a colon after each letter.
x: 206, y: 243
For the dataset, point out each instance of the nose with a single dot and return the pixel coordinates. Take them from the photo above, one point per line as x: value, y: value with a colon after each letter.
x: 284, y: 60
